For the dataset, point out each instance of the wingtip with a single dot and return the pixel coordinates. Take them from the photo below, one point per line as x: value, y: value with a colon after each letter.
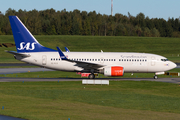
x: 62, y: 56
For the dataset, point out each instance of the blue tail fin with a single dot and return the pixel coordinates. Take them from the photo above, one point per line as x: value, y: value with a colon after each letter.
x: 24, y: 40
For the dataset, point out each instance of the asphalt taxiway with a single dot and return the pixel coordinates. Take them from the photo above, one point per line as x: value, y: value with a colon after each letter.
x: 168, y: 80
x: 22, y: 70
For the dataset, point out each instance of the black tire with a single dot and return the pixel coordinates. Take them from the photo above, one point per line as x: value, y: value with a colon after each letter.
x: 155, y: 77
x: 91, y: 76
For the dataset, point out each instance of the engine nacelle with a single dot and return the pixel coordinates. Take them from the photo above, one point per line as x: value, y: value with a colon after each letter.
x: 114, y: 71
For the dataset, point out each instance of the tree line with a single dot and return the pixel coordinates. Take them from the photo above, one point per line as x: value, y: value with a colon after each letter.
x: 52, y: 22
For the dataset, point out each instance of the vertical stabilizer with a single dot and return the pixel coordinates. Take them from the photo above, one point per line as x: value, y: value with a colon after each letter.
x: 24, y: 40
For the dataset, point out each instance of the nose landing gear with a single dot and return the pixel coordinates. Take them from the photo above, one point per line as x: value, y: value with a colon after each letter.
x: 155, y: 77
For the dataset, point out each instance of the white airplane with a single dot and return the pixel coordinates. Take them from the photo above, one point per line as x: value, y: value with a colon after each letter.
x: 29, y: 50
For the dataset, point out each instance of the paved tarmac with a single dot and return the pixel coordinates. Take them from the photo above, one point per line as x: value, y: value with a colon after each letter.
x: 168, y: 80
x: 22, y: 70
x: 15, y: 64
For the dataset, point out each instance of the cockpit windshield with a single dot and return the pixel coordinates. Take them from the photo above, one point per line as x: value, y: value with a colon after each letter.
x: 164, y: 60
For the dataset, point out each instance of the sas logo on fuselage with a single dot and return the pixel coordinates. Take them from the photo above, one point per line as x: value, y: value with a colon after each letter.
x: 27, y: 46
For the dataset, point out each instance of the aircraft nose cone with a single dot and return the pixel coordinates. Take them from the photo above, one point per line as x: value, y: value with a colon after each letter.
x: 173, y: 65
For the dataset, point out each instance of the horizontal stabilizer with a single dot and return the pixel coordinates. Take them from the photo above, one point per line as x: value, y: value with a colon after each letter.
x: 18, y: 54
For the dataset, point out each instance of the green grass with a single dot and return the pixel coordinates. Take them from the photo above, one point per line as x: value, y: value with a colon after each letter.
x: 168, y: 47
x: 63, y: 100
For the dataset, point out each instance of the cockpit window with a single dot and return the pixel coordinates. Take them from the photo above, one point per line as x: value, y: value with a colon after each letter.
x: 164, y: 60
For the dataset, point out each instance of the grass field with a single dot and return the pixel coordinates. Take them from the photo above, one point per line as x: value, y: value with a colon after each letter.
x: 168, y: 47
x: 62, y: 100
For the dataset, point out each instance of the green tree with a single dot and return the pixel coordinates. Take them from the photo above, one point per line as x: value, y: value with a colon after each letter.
x: 155, y: 33
x: 147, y: 32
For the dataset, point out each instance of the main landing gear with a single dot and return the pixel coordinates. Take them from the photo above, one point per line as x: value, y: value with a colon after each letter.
x: 91, y: 76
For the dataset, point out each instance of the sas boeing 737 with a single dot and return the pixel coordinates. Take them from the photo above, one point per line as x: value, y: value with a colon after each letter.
x: 29, y: 50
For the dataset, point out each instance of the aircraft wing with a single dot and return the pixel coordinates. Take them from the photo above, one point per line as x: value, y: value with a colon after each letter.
x: 18, y: 54
x: 85, y: 65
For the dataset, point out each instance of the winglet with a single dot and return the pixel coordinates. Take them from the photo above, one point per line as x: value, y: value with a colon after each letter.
x: 67, y: 50
x: 63, y: 57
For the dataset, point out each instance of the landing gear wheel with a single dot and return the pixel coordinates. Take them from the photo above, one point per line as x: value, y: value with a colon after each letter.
x: 155, y: 77
x: 91, y: 76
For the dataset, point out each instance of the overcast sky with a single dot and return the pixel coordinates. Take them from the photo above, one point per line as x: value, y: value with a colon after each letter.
x: 151, y: 8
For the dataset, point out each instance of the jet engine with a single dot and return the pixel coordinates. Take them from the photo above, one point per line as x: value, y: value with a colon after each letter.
x: 114, y: 71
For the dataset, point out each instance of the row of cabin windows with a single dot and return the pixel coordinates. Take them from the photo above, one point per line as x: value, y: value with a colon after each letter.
x: 55, y: 59
x: 141, y: 60
x: 93, y: 59
x: 58, y: 59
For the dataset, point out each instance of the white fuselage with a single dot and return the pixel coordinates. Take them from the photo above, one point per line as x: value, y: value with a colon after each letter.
x: 131, y: 62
